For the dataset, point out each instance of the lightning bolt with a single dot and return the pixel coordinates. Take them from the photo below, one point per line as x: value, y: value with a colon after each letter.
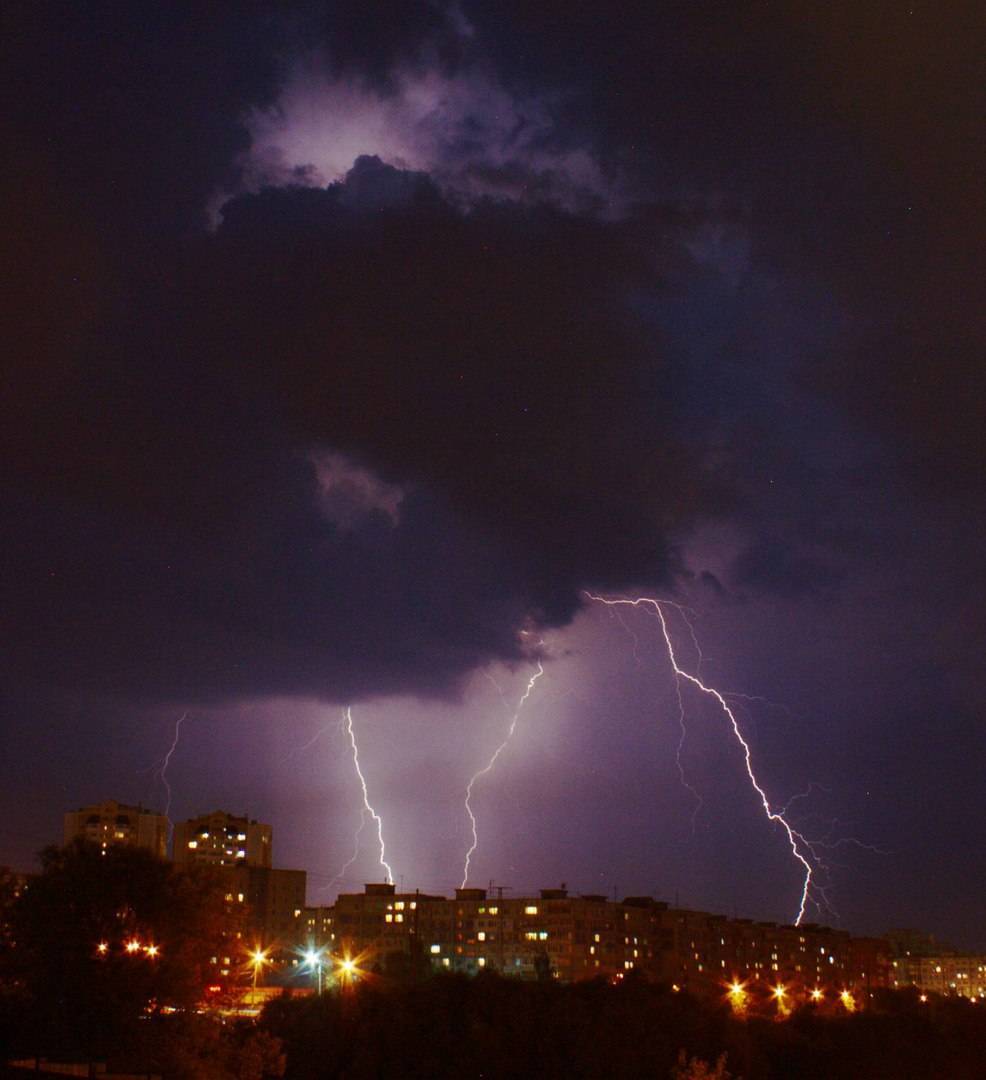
x: 166, y: 761
x: 367, y: 808
x: 314, y: 739
x: 488, y: 767
x: 682, y: 726
x: 798, y: 844
x: 342, y: 872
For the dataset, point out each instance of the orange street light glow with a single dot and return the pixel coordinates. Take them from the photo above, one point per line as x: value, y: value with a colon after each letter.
x: 816, y: 994
x: 152, y: 950
x: 133, y: 946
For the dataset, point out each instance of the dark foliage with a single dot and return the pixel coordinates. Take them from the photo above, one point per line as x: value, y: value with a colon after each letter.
x: 67, y: 975
x: 458, y: 1027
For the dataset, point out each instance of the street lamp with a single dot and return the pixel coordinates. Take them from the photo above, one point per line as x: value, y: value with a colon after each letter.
x: 314, y: 958
x: 257, y: 960
x: 348, y: 970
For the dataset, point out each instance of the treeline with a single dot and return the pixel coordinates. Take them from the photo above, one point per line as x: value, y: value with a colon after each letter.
x: 454, y: 1026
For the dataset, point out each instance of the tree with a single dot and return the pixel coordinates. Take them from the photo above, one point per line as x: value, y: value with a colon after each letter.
x: 103, y: 937
x: 696, y: 1069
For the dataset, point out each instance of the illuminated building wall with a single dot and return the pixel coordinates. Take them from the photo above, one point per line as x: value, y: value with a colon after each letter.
x: 114, y: 824
x: 579, y: 937
x: 221, y: 839
x: 955, y: 975
x: 274, y: 903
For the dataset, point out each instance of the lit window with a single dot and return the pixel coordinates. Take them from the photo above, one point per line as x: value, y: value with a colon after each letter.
x: 592, y: 950
x: 241, y: 836
x: 193, y: 843
x: 543, y: 935
x: 446, y: 961
x: 435, y: 950
x: 399, y: 906
x: 414, y: 904
x: 481, y: 936
x: 241, y: 854
x: 530, y: 935
x: 388, y: 917
x: 494, y: 910
x: 481, y: 961
x: 531, y: 909
x: 595, y: 937
x: 239, y: 897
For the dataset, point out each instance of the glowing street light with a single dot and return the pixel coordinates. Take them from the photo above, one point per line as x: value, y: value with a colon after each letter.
x: 257, y: 960
x: 103, y: 948
x: 133, y: 946
x: 314, y: 958
x: 737, y: 996
x: 152, y: 951
x: 348, y: 970
x: 848, y: 1001
x: 816, y: 994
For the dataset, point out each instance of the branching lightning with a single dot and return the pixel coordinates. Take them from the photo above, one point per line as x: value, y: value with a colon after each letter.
x: 682, y: 726
x: 489, y: 766
x: 798, y: 844
x: 352, y: 858
x: 367, y: 808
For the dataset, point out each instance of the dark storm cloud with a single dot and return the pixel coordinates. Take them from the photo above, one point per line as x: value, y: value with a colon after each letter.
x: 557, y: 397
x: 169, y: 535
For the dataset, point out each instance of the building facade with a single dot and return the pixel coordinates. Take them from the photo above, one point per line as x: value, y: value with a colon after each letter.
x: 569, y: 938
x: 221, y: 839
x: 115, y: 824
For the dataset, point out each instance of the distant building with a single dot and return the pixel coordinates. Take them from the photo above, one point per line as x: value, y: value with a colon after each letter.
x: 114, y: 824
x: 221, y: 839
x: 955, y: 975
x: 569, y: 938
x: 275, y: 904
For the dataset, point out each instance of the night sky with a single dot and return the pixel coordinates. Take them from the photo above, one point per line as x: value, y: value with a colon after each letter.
x: 347, y: 345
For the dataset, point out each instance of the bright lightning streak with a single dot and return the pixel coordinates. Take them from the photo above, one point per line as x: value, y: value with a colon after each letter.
x: 367, y: 808
x: 489, y: 766
x: 797, y: 842
x: 683, y: 728
x: 163, y: 772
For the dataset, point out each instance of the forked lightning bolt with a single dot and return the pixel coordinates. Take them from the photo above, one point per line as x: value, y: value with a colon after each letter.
x: 367, y: 808
x: 797, y: 842
x: 488, y: 767
x: 341, y: 876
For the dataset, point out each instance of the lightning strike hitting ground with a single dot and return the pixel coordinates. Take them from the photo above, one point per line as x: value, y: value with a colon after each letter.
x: 367, y: 808
x: 797, y: 842
x: 489, y: 765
